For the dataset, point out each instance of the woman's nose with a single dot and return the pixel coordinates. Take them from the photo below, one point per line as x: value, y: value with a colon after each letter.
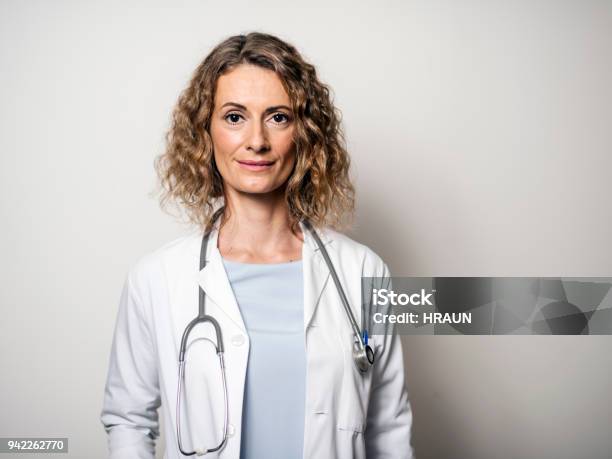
x: 258, y: 138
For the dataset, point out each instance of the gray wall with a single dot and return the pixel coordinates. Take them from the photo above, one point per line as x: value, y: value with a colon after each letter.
x: 481, y: 141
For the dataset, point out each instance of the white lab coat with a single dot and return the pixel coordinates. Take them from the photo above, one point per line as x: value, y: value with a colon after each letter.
x: 347, y: 415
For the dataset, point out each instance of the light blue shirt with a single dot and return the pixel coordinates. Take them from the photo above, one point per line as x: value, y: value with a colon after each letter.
x: 271, y: 300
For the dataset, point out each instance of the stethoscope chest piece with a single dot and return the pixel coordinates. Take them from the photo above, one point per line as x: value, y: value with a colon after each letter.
x: 363, y: 357
x: 363, y: 354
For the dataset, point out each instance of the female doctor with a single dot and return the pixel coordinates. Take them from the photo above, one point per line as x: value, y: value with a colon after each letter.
x: 249, y: 331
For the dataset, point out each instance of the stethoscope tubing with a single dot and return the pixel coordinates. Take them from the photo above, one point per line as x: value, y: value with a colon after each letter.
x: 334, y: 274
x: 363, y: 357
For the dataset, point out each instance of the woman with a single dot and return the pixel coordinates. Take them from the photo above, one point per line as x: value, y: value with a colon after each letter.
x: 256, y: 157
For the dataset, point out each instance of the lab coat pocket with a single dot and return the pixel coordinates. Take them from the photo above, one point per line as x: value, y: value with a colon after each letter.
x: 352, y: 413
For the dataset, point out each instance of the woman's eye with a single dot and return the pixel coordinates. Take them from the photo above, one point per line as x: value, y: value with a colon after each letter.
x: 233, y: 118
x: 280, y: 118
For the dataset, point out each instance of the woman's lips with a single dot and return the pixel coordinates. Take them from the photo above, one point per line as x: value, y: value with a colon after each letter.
x: 255, y: 165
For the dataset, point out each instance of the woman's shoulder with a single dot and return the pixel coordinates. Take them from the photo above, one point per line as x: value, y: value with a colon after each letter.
x: 348, y: 248
x: 175, y: 252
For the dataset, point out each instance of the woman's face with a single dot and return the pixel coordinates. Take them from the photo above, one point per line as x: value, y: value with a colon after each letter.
x: 252, y: 129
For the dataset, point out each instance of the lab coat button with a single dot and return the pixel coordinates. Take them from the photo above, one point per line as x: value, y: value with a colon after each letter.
x: 237, y: 340
x: 231, y: 430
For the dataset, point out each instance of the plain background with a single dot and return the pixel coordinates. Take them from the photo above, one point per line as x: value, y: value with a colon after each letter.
x: 481, y: 139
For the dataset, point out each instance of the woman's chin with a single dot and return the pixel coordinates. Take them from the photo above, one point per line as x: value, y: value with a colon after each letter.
x: 259, y: 189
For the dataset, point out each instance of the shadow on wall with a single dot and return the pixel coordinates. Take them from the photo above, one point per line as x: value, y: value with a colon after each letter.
x: 391, y: 227
x: 415, y: 233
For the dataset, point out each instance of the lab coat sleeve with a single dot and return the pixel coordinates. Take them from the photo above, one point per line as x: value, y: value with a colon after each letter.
x: 389, y: 420
x: 132, y: 396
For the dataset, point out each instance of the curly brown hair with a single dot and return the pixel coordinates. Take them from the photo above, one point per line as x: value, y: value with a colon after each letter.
x: 318, y: 189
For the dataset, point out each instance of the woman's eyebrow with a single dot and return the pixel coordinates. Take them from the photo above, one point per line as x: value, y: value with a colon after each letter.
x: 268, y: 110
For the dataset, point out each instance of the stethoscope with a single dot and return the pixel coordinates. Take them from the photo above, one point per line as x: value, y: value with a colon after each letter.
x: 363, y: 355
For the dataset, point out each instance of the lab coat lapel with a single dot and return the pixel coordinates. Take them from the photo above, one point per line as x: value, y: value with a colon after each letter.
x: 316, y: 273
x: 213, y: 279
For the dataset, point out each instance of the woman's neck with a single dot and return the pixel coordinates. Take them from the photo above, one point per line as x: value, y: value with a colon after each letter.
x: 257, y: 229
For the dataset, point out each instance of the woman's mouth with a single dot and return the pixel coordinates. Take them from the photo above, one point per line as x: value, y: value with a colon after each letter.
x: 255, y: 165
